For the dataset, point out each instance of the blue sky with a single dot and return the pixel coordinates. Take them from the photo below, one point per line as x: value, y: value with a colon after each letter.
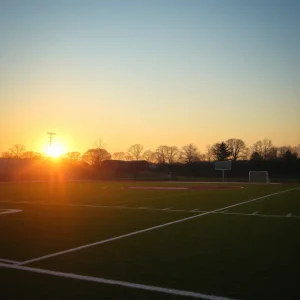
x: 149, y: 72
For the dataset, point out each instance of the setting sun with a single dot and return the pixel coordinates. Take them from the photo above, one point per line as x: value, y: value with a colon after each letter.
x: 54, y: 151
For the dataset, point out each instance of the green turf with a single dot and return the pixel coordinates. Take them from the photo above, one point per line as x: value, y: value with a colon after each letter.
x: 24, y: 285
x: 223, y: 255
x: 238, y: 256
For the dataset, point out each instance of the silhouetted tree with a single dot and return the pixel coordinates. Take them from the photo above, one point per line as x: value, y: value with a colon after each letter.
x: 32, y: 155
x: 119, y: 156
x: 172, y: 154
x: 221, y: 151
x: 189, y: 153
x: 72, y: 156
x: 289, y: 156
x: 6, y: 154
x: 296, y: 150
x: 17, y: 151
x: 256, y: 156
x: 209, y: 154
x: 95, y: 156
x: 161, y: 154
x: 136, y: 151
x: 149, y: 156
x: 262, y: 147
x: 128, y: 157
x: 272, y: 153
x: 237, y: 148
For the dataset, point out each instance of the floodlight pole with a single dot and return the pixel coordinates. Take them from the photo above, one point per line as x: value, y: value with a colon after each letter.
x: 51, y: 134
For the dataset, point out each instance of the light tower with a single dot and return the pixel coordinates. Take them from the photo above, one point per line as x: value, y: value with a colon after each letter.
x: 51, y: 134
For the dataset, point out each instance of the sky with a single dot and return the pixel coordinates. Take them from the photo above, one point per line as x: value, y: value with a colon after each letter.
x: 151, y: 72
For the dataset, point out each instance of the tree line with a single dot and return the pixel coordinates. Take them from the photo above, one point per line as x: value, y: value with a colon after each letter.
x: 233, y: 149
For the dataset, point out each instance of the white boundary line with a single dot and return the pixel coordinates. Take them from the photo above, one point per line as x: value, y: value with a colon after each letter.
x: 223, y: 182
x: 197, y: 210
x: 9, y: 211
x: 148, y: 229
x: 260, y: 215
x: 9, y: 261
x: 117, y: 282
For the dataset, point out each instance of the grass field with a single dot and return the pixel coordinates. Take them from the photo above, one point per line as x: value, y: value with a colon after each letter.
x: 105, y: 240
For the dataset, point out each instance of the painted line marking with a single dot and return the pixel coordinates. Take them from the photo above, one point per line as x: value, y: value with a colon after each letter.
x: 224, y: 211
x: 289, y: 215
x: 116, y: 282
x: 9, y: 261
x: 171, y: 188
x: 167, y: 208
x: 149, y: 229
x: 159, y: 209
x: 259, y: 215
x: 9, y: 211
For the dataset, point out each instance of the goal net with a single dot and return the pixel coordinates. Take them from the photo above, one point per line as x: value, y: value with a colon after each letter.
x: 259, y: 176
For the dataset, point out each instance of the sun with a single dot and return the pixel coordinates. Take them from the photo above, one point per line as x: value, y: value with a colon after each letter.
x: 54, y: 151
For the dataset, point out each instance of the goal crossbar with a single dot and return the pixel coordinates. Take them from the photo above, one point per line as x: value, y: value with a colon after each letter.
x: 259, y: 176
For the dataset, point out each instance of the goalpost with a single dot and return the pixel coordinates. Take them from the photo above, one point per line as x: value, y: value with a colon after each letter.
x: 259, y: 176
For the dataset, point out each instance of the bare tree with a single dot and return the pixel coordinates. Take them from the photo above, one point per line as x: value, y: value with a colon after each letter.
x: 172, y: 154
x: 128, y: 157
x: 119, y: 156
x: 136, y: 151
x: 17, y: 150
x: 209, y: 154
x: 189, y: 153
x: 282, y: 151
x: 296, y: 150
x: 6, y: 154
x: 32, y: 155
x: 262, y: 147
x: 149, y: 156
x: 96, y: 156
x: 72, y: 156
x: 272, y: 153
x: 237, y: 148
x: 161, y: 154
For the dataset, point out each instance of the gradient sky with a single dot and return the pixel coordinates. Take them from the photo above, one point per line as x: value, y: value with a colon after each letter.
x: 149, y: 72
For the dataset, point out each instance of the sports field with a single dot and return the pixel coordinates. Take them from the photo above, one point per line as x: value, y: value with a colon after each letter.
x: 138, y: 240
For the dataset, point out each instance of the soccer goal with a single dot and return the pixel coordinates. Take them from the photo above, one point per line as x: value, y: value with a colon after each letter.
x: 259, y: 176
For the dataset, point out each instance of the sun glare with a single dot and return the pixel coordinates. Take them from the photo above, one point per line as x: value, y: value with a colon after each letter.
x: 54, y: 151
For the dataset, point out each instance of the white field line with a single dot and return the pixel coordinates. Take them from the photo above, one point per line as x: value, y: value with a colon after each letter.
x: 197, y: 210
x: 117, y: 283
x: 96, y: 206
x: 9, y: 211
x: 223, y: 182
x: 9, y: 261
x: 148, y: 229
x: 259, y: 215
x: 163, y: 188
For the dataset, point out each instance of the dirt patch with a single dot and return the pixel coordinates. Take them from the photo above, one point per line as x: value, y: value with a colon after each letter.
x: 199, y: 187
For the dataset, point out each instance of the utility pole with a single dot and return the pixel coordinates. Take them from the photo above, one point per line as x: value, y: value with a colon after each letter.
x: 51, y: 134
